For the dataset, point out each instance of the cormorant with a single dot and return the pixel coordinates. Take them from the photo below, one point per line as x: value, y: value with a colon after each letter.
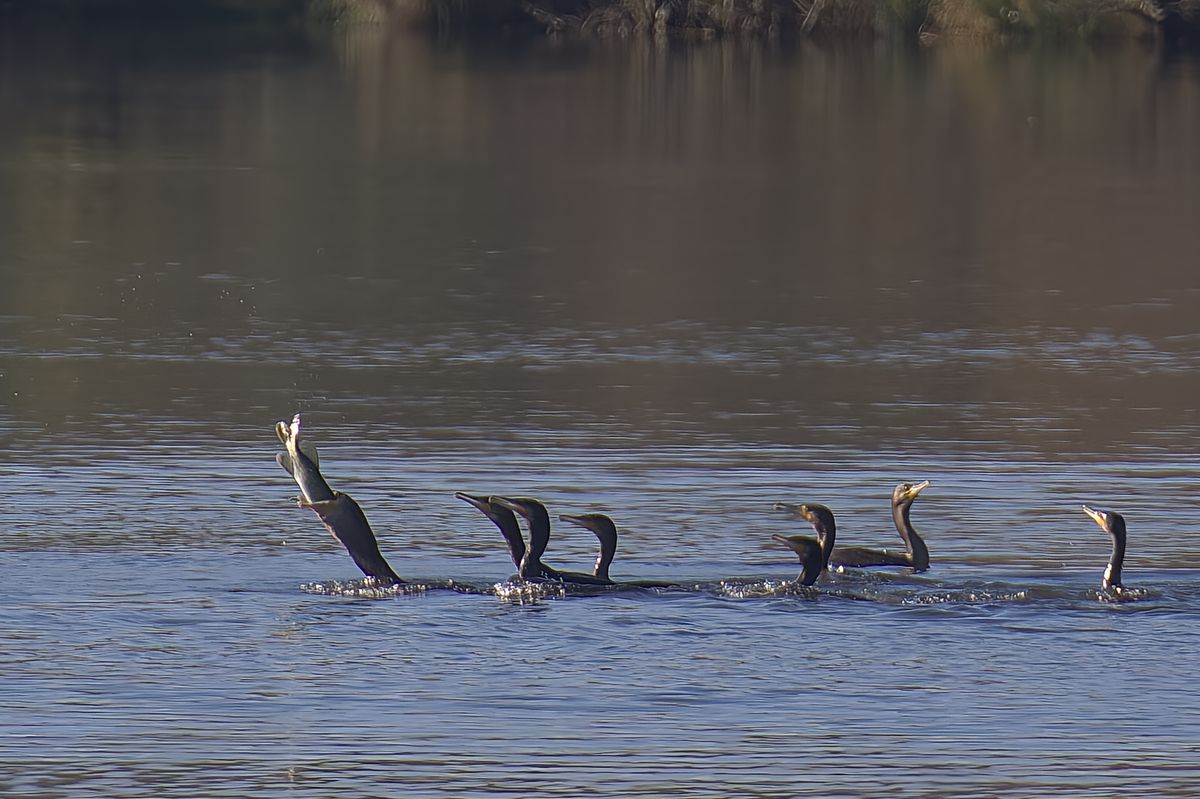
x: 916, y: 554
x: 813, y: 553
x: 340, y: 514
x: 1114, y: 524
x: 504, y: 519
x: 605, y: 529
x: 538, y: 519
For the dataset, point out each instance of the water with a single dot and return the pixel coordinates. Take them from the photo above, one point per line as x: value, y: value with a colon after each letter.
x: 673, y: 283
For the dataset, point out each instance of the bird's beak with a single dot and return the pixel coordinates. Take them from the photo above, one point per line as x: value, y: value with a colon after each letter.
x: 1098, y: 516
x: 919, y: 487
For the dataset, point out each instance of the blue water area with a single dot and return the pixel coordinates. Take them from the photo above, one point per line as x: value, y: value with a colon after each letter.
x: 673, y: 281
x: 241, y: 653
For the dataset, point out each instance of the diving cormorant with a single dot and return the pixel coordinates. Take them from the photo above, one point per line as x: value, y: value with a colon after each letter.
x: 340, y: 514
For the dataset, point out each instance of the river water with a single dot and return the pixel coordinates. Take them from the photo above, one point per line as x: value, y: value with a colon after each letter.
x: 673, y: 282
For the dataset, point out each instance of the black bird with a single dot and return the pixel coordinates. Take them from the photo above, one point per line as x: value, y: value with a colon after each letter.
x: 531, y: 567
x: 813, y: 553
x: 915, y: 555
x: 340, y: 514
x: 504, y: 519
x: 605, y: 530
x: 1114, y: 524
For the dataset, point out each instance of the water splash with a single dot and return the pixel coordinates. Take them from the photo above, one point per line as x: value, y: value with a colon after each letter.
x: 367, y: 589
x: 1122, y: 595
x: 965, y: 597
x: 362, y: 589
x: 525, y: 593
x: 763, y: 589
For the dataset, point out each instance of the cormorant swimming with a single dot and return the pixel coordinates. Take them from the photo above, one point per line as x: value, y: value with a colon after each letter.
x: 1114, y: 524
x: 340, y: 514
x: 813, y: 553
x: 538, y: 519
x: 504, y: 519
x: 605, y: 529
x: 347, y: 523
x: 915, y: 555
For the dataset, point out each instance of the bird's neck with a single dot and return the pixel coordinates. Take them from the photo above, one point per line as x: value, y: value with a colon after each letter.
x: 918, y: 553
x: 608, y: 551
x: 1112, y: 572
x: 539, y: 538
x: 512, y: 538
x: 539, y: 535
x: 825, y: 537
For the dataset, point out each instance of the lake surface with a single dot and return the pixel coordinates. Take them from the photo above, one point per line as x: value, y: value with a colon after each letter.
x: 672, y: 282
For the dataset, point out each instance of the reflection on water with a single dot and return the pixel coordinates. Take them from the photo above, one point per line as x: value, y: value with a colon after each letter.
x: 672, y: 283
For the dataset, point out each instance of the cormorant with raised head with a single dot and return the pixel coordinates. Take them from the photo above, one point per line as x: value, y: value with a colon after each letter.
x: 605, y: 530
x: 504, y: 519
x: 1114, y: 524
x: 915, y: 555
x: 531, y: 567
x: 340, y: 514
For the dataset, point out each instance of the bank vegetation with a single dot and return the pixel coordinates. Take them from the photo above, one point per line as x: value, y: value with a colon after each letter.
x: 920, y: 20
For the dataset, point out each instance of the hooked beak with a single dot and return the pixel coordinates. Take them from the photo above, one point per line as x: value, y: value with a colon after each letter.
x: 578, y: 521
x: 1098, y: 516
x: 793, y: 508
x: 919, y: 487
x: 480, y: 503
